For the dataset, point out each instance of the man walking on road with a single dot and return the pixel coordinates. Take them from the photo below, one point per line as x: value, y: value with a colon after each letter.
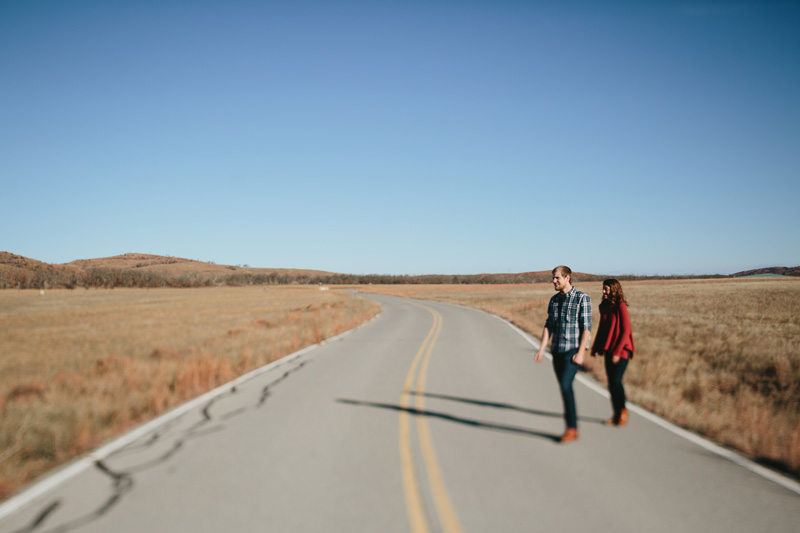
x: 568, y: 328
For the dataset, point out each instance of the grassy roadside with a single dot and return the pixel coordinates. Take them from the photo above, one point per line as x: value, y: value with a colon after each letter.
x: 82, y: 366
x: 719, y: 357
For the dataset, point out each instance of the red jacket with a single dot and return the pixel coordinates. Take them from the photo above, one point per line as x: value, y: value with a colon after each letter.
x: 614, y: 333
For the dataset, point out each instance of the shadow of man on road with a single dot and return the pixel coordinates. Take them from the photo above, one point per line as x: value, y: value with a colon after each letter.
x: 457, y: 419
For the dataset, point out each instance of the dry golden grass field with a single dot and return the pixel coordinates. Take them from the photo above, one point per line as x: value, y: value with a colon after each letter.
x: 719, y: 357
x: 81, y: 366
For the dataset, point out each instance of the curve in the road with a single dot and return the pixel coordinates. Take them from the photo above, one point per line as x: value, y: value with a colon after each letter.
x: 415, y: 384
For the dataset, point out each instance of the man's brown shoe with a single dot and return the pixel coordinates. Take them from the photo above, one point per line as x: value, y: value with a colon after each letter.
x: 570, y: 435
x: 623, y: 417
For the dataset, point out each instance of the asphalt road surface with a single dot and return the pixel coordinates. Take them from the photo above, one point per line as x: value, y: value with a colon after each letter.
x: 430, y: 418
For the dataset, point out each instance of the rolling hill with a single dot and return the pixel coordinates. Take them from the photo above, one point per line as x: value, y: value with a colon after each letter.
x: 178, y: 265
x: 138, y: 270
x: 771, y: 271
x: 148, y: 270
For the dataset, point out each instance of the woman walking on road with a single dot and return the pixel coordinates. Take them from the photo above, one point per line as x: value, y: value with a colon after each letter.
x: 614, y: 340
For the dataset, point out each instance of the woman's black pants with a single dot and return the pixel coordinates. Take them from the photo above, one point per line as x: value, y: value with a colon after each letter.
x: 615, y: 371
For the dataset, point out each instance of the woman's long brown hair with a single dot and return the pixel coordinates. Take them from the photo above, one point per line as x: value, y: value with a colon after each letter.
x: 617, y: 296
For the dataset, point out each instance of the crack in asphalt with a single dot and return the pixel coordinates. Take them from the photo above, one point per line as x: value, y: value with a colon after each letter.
x: 266, y: 391
x: 124, y: 482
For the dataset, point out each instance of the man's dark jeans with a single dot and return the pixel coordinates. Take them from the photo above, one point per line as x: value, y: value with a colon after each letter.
x: 565, y: 372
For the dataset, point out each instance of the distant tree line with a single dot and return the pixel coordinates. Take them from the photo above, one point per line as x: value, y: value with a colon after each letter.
x: 428, y: 279
x: 97, y: 278
x: 140, y: 278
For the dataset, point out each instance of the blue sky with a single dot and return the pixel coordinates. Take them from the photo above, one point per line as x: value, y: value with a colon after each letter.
x: 404, y: 137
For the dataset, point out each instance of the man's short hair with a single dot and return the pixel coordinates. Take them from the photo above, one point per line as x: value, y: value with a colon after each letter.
x: 563, y: 270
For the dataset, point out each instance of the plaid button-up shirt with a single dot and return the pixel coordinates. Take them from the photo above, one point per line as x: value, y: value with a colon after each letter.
x: 567, y: 316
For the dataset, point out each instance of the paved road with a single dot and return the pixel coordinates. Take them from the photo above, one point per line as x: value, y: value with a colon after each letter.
x: 430, y: 418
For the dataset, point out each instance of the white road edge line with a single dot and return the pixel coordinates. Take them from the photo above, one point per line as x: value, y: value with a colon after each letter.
x: 74, y: 468
x: 740, y: 460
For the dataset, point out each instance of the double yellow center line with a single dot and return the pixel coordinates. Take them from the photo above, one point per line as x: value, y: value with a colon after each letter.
x: 415, y: 385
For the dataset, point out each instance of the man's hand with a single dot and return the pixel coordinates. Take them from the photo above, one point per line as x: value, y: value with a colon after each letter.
x: 545, y: 342
x: 578, y: 357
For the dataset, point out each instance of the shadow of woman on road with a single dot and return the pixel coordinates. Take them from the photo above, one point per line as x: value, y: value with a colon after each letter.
x: 498, y: 405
